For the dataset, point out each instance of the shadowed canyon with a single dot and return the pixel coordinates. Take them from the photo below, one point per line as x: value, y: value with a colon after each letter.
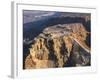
x: 56, y: 39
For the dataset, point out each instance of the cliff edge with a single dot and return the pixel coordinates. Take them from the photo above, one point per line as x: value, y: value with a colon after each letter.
x: 61, y: 45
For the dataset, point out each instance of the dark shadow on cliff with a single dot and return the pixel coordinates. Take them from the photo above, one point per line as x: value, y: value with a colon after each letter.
x: 33, y: 29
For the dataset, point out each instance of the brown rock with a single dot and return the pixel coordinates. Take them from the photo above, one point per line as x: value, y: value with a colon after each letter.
x: 63, y: 37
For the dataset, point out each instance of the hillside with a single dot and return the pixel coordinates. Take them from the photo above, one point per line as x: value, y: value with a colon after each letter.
x: 61, y: 45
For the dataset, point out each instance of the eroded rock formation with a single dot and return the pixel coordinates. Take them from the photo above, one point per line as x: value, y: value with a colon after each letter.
x: 57, y: 45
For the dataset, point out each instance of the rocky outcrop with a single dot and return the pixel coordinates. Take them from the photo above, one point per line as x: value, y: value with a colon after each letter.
x: 58, y: 45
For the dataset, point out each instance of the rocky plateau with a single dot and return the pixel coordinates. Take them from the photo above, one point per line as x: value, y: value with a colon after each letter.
x: 61, y: 45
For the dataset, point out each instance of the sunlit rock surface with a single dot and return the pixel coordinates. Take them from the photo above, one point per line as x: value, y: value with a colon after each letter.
x: 59, y: 46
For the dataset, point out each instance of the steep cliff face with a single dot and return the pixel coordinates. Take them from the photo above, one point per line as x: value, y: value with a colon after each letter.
x: 59, y: 46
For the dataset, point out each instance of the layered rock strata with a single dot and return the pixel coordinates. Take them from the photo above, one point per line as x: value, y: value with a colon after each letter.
x: 55, y: 46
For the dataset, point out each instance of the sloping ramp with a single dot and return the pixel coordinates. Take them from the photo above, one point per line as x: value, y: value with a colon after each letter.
x: 82, y: 44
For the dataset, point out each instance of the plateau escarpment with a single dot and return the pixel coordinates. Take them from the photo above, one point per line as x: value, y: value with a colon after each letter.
x: 60, y: 45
